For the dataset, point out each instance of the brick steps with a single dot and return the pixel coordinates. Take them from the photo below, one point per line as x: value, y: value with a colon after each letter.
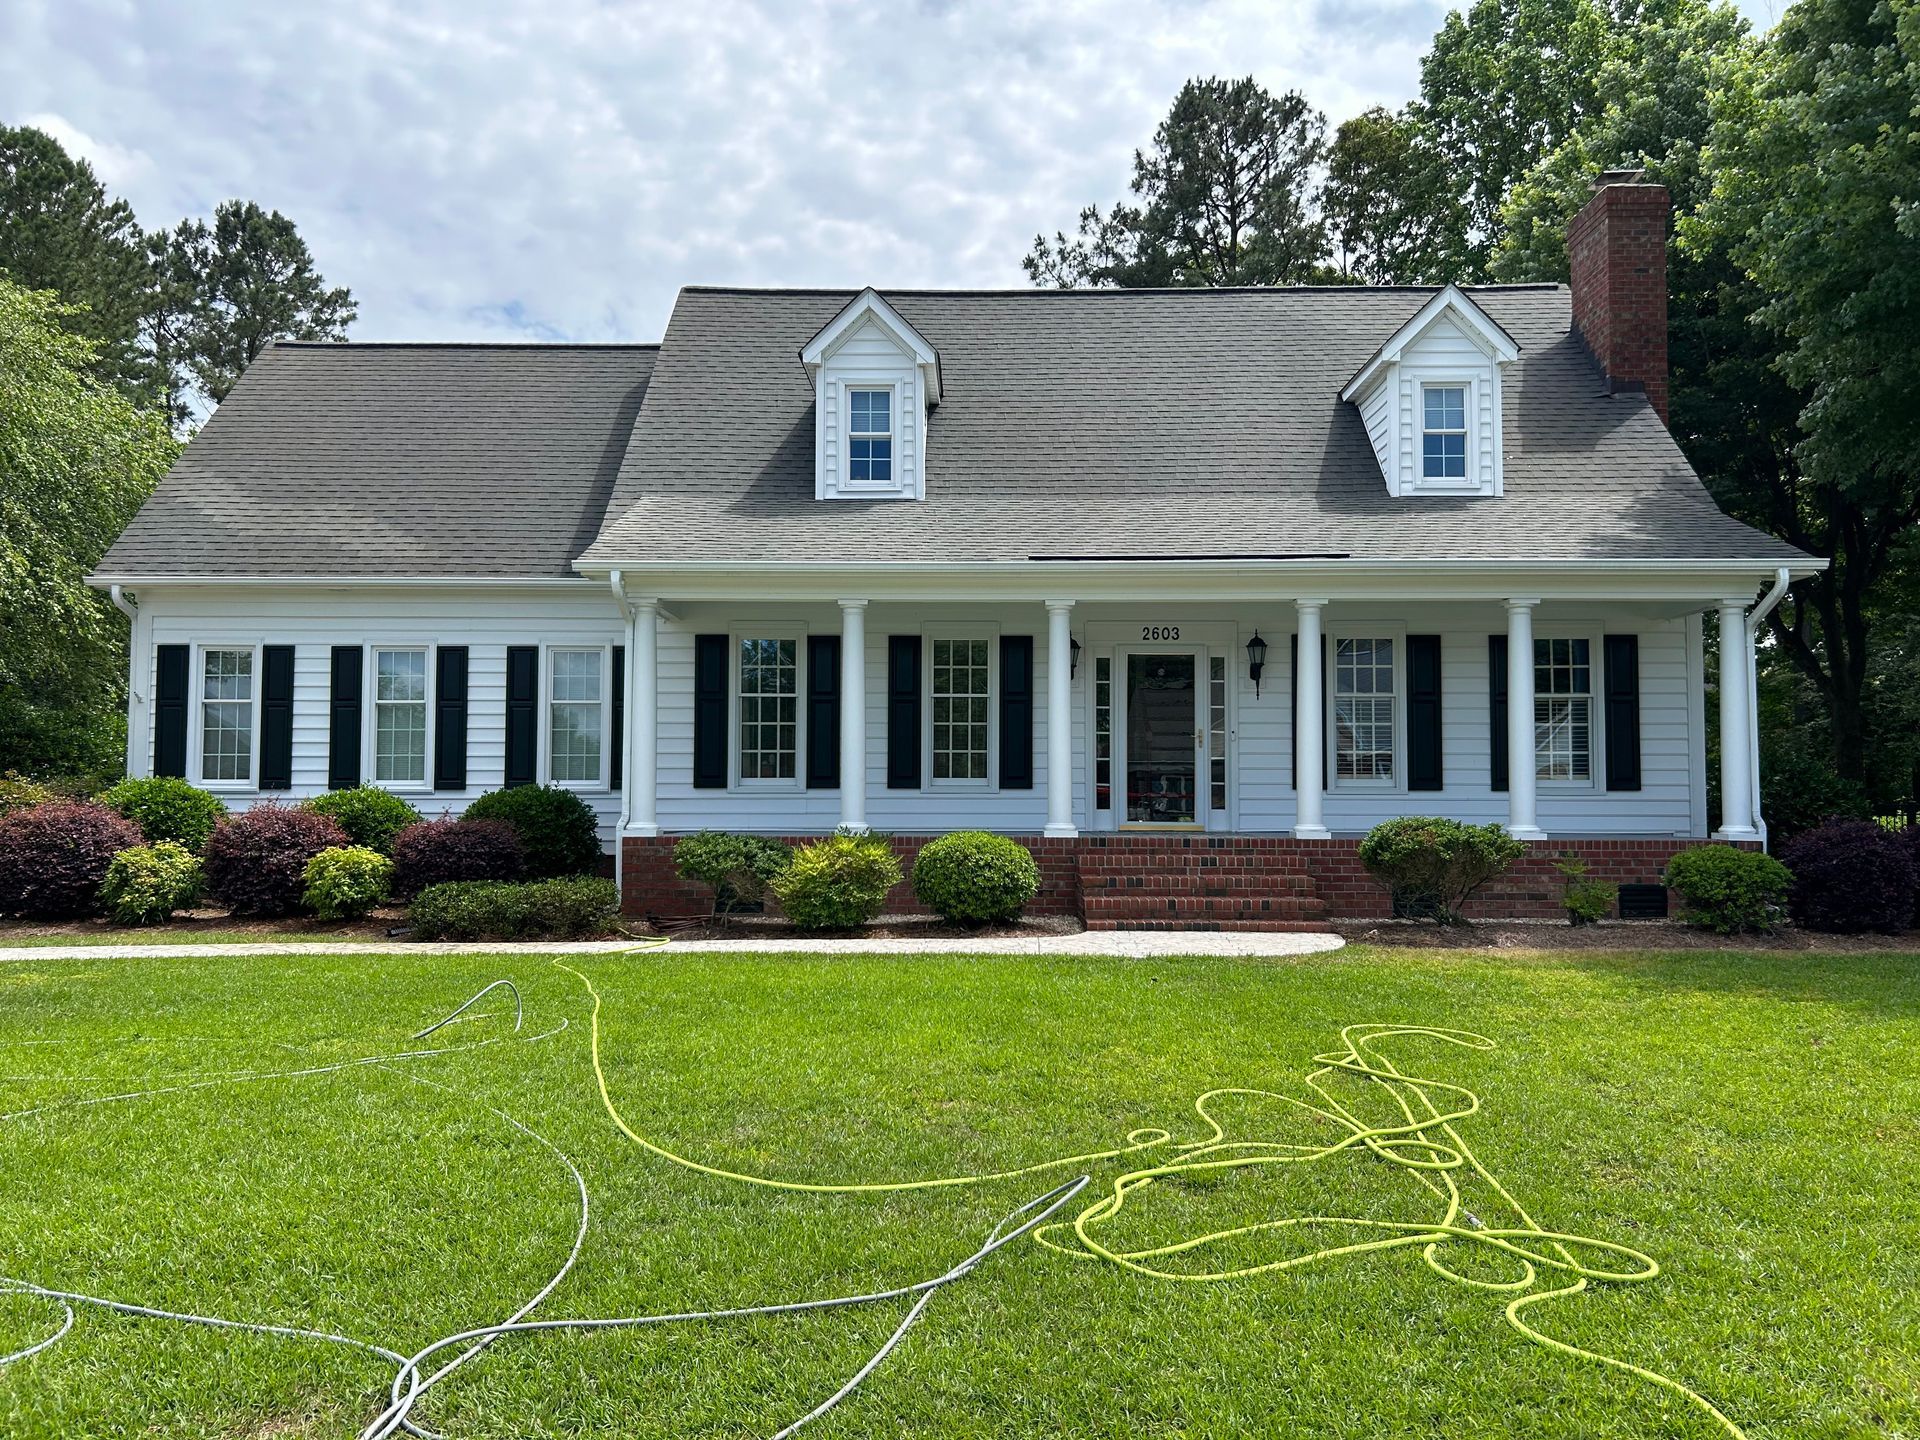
x: 1197, y: 885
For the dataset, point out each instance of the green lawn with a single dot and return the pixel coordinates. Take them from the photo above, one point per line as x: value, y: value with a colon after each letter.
x: 1751, y: 1122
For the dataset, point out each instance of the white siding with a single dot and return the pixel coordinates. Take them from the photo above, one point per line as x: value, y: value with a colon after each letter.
x: 1392, y: 410
x: 868, y: 355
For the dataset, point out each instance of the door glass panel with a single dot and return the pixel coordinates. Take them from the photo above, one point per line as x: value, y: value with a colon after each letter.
x: 1161, y: 739
x: 1217, y: 737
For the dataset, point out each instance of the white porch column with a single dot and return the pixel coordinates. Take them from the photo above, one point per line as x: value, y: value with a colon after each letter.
x: 853, y: 716
x: 1309, y: 726
x: 1522, y: 766
x: 1736, y: 735
x: 1060, y: 719
x: 643, y: 720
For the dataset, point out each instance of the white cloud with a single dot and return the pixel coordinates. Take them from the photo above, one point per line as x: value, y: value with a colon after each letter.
x: 558, y: 169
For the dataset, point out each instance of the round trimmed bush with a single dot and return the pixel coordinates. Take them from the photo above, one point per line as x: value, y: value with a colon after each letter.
x: 1850, y: 876
x: 837, y: 883
x: 556, y: 827
x: 54, y: 857
x: 344, y: 883
x: 370, y: 816
x: 1728, y: 890
x: 257, y: 862
x: 973, y: 878
x: 737, y: 868
x: 147, y: 884
x: 165, y: 807
x: 1431, y: 865
x: 17, y: 792
x: 440, y: 852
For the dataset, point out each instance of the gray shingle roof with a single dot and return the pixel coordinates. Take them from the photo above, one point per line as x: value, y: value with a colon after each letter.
x: 428, y: 460
x: 1142, y: 423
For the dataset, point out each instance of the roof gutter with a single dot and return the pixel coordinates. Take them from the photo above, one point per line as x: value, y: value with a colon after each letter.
x: 123, y: 602
x: 1782, y: 578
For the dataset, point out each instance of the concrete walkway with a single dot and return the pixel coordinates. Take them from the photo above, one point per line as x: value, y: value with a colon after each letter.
x: 1090, y: 942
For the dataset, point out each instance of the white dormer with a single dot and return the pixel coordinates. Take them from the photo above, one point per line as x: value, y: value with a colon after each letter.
x: 874, y: 380
x: 1430, y: 399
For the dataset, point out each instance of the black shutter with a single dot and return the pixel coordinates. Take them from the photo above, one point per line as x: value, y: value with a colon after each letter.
x: 1623, y: 712
x: 903, y: 712
x: 617, y: 709
x: 710, y: 656
x: 450, y: 718
x: 276, y: 717
x: 523, y: 714
x: 170, y: 711
x: 1497, y: 707
x: 1424, y: 767
x: 823, y: 712
x: 1293, y: 715
x: 343, y: 722
x: 1016, y: 712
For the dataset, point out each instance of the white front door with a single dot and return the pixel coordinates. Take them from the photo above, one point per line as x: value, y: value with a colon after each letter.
x: 1160, y: 735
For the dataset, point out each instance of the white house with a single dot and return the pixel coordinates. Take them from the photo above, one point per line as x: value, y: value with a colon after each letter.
x: 1042, y: 562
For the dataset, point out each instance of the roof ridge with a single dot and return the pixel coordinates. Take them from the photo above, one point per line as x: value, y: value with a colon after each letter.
x: 1115, y: 291
x: 467, y: 344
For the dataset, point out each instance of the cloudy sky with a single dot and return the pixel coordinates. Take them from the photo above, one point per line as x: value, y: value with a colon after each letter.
x: 556, y: 169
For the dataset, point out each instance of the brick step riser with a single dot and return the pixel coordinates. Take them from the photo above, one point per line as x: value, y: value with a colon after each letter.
x: 1312, y: 927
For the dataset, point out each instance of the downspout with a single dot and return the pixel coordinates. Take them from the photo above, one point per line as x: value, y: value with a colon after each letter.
x: 130, y: 608
x: 618, y: 586
x: 1781, y: 579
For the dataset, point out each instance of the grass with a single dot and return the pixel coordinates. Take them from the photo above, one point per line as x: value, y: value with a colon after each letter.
x: 1749, y: 1121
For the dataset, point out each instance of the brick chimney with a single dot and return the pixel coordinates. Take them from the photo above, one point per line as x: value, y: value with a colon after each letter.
x: 1617, y: 254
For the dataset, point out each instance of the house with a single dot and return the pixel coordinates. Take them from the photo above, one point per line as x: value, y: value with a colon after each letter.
x: 1189, y: 588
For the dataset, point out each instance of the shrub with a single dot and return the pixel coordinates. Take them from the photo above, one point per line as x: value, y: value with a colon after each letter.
x: 1586, y: 901
x: 17, y: 792
x: 370, y: 816
x: 555, y: 825
x: 166, y: 807
x: 1727, y: 890
x: 344, y: 883
x: 837, y: 883
x: 973, y: 878
x: 147, y: 884
x: 1849, y: 876
x: 54, y: 857
x: 1911, y: 835
x: 257, y: 862
x: 437, y: 852
x: 737, y: 868
x: 1432, y: 865
x: 491, y: 909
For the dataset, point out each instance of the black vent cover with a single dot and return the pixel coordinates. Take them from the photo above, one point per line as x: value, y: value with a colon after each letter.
x: 1643, y: 902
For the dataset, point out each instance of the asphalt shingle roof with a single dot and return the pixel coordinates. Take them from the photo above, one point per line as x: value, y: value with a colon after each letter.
x: 397, y: 460
x: 1143, y: 423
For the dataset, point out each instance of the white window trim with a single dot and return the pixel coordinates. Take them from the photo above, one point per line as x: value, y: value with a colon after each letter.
x: 1330, y: 733
x: 1423, y: 380
x: 196, y: 729
x: 785, y: 630
x: 991, y: 634
x: 891, y: 434
x: 1597, y: 712
x: 605, y: 647
x: 370, y: 718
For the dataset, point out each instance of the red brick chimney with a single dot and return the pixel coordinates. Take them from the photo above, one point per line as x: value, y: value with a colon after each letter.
x: 1617, y: 253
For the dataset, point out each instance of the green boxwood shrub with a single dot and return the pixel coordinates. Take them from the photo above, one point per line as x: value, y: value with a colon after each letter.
x: 17, y: 792
x: 505, y: 910
x: 1432, y: 865
x: 165, y: 807
x: 346, y: 882
x: 837, y: 883
x: 1728, y: 890
x: 147, y: 884
x: 556, y: 827
x: 737, y: 868
x: 973, y: 878
x: 370, y: 816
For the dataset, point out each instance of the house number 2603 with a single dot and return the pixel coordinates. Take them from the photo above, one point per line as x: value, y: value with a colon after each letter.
x: 1159, y: 632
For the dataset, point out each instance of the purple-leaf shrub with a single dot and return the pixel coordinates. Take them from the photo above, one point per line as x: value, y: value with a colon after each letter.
x: 439, y: 852
x: 256, y: 862
x: 54, y: 856
x: 1849, y: 876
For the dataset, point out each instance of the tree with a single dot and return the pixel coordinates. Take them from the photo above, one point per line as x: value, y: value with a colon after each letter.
x: 1389, y: 201
x: 76, y: 460
x: 1224, y: 198
x: 256, y: 284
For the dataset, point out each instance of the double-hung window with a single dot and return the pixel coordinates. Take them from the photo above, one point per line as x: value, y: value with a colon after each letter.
x: 769, y: 708
x: 400, y: 715
x: 870, y: 436
x: 961, y: 678
x: 1443, y: 433
x: 226, y: 716
x: 577, y: 717
x: 1365, y: 715
x: 1563, y: 709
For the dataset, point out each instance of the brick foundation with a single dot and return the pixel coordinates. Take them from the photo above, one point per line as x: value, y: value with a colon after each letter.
x: 1144, y: 881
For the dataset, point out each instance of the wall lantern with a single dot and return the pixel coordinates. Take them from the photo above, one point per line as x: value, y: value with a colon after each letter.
x: 1073, y: 658
x: 1256, y: 660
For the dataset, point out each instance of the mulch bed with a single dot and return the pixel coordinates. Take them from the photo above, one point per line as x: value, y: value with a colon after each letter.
x: 1614, y: 935
x: 105, y: 932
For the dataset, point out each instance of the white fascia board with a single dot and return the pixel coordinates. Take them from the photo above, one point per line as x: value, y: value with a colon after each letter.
x: 335, y: 582
x: 1451, y: 300
x: 869, y: 304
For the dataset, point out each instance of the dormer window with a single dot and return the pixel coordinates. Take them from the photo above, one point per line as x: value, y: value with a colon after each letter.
x: 870, y: 436
x: 1443, y: 440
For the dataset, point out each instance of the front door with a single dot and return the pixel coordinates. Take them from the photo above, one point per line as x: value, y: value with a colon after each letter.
x: 1163, y: 738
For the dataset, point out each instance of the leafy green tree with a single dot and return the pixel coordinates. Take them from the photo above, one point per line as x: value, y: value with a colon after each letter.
x: 1390, y: 202
x: 76, y: 460
x: 1225, y: 197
